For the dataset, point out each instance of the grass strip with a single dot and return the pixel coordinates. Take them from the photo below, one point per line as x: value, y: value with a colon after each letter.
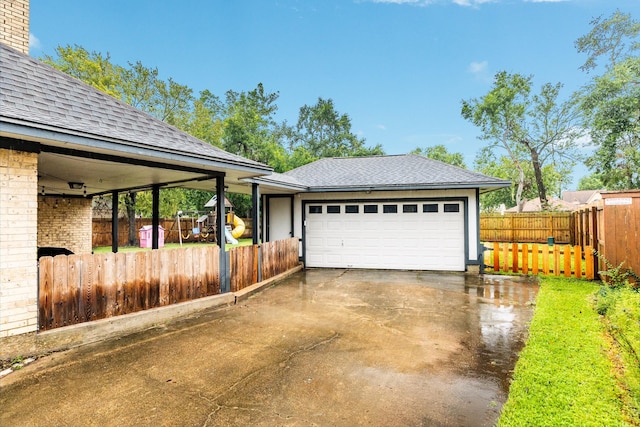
x: 563, y: 376
x: 105, y: 249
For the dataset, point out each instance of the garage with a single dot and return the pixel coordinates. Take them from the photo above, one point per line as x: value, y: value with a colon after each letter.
x: 397, y: 212
x: 404, y: 235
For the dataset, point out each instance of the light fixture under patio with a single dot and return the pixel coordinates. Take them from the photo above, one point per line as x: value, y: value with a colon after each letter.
x: 76, y: 185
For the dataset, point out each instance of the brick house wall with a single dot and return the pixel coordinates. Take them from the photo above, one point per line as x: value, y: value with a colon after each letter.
x: 18, y: 237
x: 14, y: 24
x: 65, y: 222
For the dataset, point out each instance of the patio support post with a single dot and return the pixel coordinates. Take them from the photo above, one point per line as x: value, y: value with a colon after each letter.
x: 225, y: 282
x: 255, y: 229
x: 155, y: 216
x: 114, y: 221
x: 255, y: 212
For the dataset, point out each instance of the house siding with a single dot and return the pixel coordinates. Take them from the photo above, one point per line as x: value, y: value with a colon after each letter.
x: 18, y: 237
x: 14, y: 24
x: 65, y: 222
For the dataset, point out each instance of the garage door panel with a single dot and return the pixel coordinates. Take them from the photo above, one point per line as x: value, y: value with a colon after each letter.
x: 403, y: 240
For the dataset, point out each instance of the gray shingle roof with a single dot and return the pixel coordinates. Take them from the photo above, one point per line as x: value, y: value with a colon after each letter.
x: 379, y: 172
x: 37, y: 96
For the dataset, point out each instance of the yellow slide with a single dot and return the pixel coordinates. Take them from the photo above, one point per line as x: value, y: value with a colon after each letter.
x: 238, y: 225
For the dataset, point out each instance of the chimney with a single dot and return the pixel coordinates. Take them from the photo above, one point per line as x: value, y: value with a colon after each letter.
x: 14, y: 24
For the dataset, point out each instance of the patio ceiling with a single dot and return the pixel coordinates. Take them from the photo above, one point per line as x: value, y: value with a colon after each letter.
x: 96, y: 176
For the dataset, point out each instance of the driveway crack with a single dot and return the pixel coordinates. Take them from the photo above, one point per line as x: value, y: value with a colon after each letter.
x: 234, y: 386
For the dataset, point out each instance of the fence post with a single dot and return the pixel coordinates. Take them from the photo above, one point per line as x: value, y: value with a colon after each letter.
x: 589, y: 267
x: 577, y: 260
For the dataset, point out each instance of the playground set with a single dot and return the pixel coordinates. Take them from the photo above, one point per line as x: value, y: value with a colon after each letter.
x: 203, y: 227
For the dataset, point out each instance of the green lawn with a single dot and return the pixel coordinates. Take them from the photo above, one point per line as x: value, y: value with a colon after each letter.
x: 565, y: 376
x: 103, y: 249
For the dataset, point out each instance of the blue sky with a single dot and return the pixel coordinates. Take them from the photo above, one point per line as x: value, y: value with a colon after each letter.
x: 398, y: 68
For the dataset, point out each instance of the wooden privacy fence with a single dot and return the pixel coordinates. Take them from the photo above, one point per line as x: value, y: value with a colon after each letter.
x: 82, y: 288
x: 277, y: 257
x: 565, y: 260
x: 530, y: 227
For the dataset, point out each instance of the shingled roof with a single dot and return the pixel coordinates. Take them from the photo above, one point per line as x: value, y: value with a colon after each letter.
x: 39, y: 98
x: 394, y: 172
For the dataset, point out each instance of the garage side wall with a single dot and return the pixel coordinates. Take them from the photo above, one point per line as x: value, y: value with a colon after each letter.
x: 18, y: 234
x: 66, y: 223
x: 471, y: 214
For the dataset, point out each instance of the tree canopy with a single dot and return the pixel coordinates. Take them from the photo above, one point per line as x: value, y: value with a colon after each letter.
x: 440, y: 152
x: 536, y: 131
x: 610, y: 103
x: 242, y: 123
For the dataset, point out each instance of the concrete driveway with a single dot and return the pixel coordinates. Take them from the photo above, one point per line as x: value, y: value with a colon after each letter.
x: 322, y: 347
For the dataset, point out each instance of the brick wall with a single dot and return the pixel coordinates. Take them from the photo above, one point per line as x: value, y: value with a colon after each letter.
x: 65, y: 222
x: 14, y: 24
x: 18, y: 236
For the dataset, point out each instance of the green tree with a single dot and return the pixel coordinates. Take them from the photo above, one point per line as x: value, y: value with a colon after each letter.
x: 440, y: 152
x: 501, y: 166
x: 533, y: 130
x: 249, y: 125
x: 140, y: 87
x: 92, y: 68
x: 591, y: 182
x: 614, y: 37
x: 611, y: 102
x: 322, y: 131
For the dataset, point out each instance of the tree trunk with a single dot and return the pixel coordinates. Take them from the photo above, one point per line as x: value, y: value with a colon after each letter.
x: 519, y: 201
x: 542, y: 191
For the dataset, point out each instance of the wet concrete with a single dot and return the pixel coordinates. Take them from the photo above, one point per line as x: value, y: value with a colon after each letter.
x: 323, y: 347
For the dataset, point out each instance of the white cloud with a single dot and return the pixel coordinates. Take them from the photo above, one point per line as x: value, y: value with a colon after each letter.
x: 34, y: 42
x: 478, y: 67
x: 381, y: 127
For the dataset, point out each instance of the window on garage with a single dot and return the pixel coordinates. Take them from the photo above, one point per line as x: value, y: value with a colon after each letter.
x: 370, y: 208
x: 390, y: 208
x: 430, y: 207
x: 351, y: 209
x: 333, y: 209
x: 315, y: 209
x: 451, y: 207
x: 409, y: 208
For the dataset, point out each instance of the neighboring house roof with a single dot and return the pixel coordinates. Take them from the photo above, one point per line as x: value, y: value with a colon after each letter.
x: 408, y: 171
x: 581, y: 197
x: 534, y: 205
x: 40, y: 103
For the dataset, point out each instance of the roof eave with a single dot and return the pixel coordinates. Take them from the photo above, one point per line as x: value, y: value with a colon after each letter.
x: 483, y: 186
x: 76, y: 140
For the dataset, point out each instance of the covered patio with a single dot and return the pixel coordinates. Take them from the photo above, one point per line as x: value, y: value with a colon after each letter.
x: 62, y: 143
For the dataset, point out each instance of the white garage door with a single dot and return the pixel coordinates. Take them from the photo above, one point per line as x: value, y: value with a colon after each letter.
x: 425, y: 235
